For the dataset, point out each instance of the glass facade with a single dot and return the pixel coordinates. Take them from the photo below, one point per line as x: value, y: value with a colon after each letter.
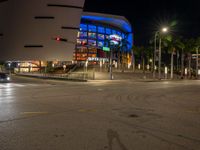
x: 96, y: 35
x: 92, y: 39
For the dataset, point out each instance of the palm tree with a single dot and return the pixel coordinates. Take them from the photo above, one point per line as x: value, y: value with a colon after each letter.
x: 170, y: 43
x: 149, y: 55
x: 181, y: 45
x: 189, y: 49
x: 134, y: 53
x: 123, y: 45
x: 197, y: 57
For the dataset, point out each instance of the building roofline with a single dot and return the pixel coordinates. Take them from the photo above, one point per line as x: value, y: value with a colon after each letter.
x: 116, y: 20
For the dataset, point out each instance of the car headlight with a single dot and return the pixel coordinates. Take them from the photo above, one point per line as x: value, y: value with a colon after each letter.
x: 8, y: 78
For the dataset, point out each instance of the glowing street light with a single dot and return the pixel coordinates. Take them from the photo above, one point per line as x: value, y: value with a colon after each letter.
x: 9, y: 64
x: 18, y: 65
x: 164, y: 29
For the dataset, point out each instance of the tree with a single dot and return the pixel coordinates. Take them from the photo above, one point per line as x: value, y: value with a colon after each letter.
x: 135, y: 52
x: 197, y: 45
x: 189, y: 49
x: 169, y: 42
x: 181, y: 45
x: 124, y: 44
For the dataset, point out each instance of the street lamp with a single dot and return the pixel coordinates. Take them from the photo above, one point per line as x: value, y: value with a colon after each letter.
x: 154, y: 60
x: 197, y: 62
x: 158, y: 33
x: 9, y: 64
x: 164, y: 30
x: 18, y: 65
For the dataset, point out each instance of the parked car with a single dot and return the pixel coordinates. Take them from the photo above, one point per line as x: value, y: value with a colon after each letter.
x: 4, y: 77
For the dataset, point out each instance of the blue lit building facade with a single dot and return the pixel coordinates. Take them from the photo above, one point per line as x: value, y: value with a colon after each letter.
x: 93, y: 36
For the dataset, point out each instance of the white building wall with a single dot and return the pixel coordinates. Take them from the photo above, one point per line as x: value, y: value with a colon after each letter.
x: 18, y: 27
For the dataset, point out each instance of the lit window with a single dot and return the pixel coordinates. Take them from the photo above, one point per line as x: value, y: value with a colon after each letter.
x: 92, y: 28
x: 100, y: 37
x: 108, y: 31
x: 92, y: 35
x: 83, y: 27
x: 101, y: 30
x: 118, y: 33
x: 92, y: 42
x: 83, y: 35
x: 100, y: 43
x: 114, y: 32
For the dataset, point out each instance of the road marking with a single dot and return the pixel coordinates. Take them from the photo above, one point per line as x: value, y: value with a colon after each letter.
x: 33, y: 113
x: 196, y: 110
x: 100, y: 89
x: 87, y: 110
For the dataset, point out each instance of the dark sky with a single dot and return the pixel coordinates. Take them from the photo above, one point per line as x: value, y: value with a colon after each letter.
x: 147, y: 15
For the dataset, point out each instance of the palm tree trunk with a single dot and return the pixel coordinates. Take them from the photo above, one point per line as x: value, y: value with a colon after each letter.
x: 118, y: 60
x: 143, y: 66
x: 197, y: 62
x: 177, y: 61
x: 172, y: 64
x: 122, y: 61
x: 189, y: 66
x: 182, y: 64
x: 133, y: 61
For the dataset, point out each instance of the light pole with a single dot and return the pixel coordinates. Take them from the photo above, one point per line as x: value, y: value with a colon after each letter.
x: 164, y: 30
x: 110, y: 65
x: 18, y: 64
x: 154, y: 60
x: 197, y: 62
x: 9, y: 64
x: 159, y: 61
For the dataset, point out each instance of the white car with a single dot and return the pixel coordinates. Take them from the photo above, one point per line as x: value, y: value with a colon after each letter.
x: 4, y: 77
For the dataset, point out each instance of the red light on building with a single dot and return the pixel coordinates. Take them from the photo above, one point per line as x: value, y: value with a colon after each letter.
x: 57, y: 39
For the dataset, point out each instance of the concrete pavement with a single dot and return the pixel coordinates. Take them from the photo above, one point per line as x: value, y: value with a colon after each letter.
x: 99, y: 115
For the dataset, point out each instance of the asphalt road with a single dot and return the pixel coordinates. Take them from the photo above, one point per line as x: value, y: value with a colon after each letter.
x: 99, y: 115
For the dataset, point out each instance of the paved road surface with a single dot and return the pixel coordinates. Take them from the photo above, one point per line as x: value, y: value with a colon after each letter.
x: 99, y: 115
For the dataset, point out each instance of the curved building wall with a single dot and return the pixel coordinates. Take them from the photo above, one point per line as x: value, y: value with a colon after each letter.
x: 116, y: 21
x: 94, y: 34
x: 28, y: 29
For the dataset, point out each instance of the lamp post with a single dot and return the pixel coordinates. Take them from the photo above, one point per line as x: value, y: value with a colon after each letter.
x: 164, y: 30
x: 197, y: 62
x: 159, y: 61
x: 9, y: 64
x: 18, y: 65
x: 154, y: 60
x: 110, y: 65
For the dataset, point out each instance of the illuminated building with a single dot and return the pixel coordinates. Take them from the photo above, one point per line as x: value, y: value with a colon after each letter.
x: 94, y: 35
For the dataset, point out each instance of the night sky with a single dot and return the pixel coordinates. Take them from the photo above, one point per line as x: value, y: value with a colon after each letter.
x: 147, y: 15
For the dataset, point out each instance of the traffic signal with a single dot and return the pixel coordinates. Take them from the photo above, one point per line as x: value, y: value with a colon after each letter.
x: 60, y: 39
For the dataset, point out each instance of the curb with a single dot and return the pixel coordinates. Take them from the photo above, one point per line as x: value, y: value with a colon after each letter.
x: 52, y: 78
